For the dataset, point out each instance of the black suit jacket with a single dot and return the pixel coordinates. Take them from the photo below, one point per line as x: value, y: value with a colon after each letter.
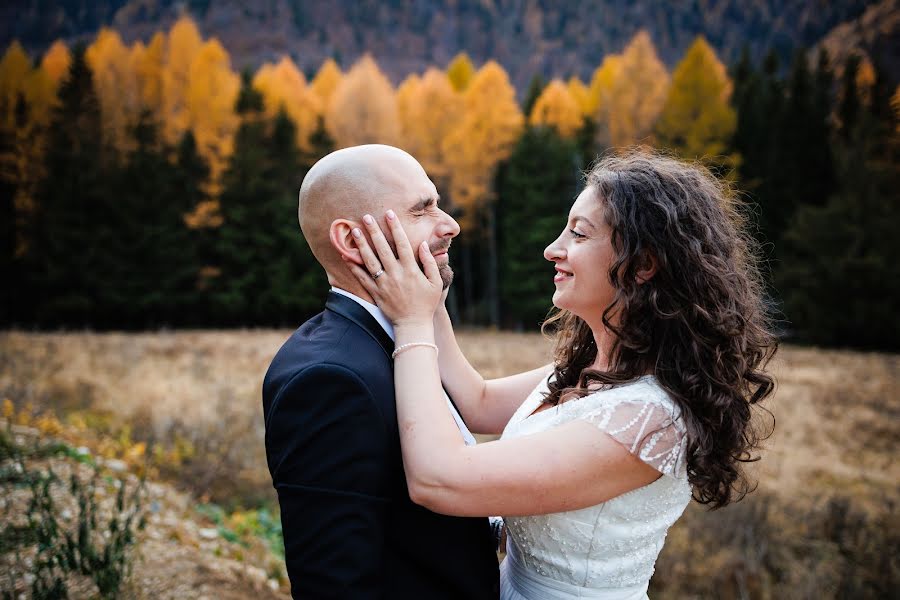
x: 333, y: 449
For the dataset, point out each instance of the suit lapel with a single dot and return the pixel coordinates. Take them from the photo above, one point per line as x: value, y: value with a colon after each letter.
x: 351, y: 310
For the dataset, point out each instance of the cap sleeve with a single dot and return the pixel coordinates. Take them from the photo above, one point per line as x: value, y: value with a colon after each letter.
x: 645, y: 421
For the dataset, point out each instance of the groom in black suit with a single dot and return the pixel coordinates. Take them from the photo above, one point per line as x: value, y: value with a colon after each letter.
x: 333, y: 449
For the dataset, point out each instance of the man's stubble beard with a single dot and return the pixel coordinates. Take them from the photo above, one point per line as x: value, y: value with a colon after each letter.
x: 446, y: 271
x: 446, y: 275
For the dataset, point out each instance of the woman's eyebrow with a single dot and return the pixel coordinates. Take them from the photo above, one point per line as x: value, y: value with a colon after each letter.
x: 584, y: 220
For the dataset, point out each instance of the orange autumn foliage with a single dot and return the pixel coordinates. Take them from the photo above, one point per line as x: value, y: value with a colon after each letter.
x: 363, y: 108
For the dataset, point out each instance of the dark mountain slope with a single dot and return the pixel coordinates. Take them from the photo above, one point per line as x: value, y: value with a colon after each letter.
x: 525, y: 36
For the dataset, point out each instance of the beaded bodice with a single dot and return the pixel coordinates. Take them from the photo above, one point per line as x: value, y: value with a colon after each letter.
x: 613, y: 544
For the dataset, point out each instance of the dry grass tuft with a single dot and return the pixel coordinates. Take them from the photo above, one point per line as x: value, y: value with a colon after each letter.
x: 823, y: 523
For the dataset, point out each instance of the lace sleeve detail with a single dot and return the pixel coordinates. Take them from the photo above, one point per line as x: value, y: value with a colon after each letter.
x: 647, y: 424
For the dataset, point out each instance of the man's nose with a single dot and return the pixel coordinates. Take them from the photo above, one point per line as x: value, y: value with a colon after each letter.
x: 448, y: 226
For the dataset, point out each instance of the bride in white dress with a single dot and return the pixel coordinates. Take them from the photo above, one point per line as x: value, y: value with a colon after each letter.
x: 606, y: 550
x: 662, y: 338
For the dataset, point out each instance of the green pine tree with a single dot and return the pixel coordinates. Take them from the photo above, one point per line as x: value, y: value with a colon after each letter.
x: 150, y: 261
x: 8, y: 225
x: 538, y: 186
x: 73, y: 206
x: 849, y: 108
x: 802, y: 170
x: 584, y: 139
x: 840, y: 277
x: 758, y: 99
x: 267, y: 274
x: 298, y: 283
x: 188, y: 177
x: 321, y: 143
x: 535, y: 87
x: 246, y: 233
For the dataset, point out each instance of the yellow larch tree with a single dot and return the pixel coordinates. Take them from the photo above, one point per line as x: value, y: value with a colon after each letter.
x: 56, y: 62
x: 117, y: 86
x: 600, y: 94
x: 184, y: 43
x: 490, y: 126
x: 149, y: 63
x: 865, y: 81
x: 20, y: 81
x: 40, y: 94
x: 556, y: 108
x: 697, y: 120
x: 326, y: 80
x: 22, y: 86
x: 15, y: 67
x: 363, y: 108
x: 136, y: 55
x: 406, y: 97
x: 211, y: 98
x: 638, y: 93
x: 460, y: 71
x: 283, y: 87
x: 39, y: 91
x: 429, y: 110
x: 581, y: 93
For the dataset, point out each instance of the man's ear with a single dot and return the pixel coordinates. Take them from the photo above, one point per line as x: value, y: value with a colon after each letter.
x: 647, y: 266
x: 340, y: 233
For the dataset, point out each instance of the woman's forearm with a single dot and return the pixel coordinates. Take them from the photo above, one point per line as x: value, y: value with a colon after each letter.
x: 463, y: 383
x: 429, y: 436
x: 569, y: 467
x: 486, y: 405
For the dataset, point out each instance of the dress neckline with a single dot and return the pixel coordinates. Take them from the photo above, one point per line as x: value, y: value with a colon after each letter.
x: 537, y: 400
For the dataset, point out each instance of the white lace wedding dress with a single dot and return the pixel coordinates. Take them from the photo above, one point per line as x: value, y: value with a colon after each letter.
x: 605, y: 551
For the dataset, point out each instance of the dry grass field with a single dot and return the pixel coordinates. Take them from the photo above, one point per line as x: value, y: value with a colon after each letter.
x: 185, y: 408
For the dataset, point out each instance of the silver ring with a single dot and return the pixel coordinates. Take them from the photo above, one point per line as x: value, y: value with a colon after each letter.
x: 378, y: 274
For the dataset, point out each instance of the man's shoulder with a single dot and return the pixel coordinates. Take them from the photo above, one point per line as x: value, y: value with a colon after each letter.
x: 328, y: 342
x: 330, y: 338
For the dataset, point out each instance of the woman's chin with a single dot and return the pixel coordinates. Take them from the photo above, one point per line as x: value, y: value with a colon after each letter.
x: 559, y: 300
x: 562, y: 302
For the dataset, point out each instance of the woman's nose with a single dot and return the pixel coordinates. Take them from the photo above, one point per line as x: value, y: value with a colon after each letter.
x: 554, y: 251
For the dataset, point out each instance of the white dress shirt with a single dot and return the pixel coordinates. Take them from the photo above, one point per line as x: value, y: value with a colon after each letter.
x: 389, y: 329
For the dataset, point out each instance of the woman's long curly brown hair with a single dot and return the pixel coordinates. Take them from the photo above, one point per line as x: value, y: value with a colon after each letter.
x: 700, y: 325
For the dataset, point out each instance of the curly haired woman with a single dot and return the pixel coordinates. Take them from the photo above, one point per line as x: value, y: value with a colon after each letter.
x: 662, y: 337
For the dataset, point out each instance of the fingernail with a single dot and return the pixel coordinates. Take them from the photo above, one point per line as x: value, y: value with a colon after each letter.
x: 357, y: 233
x: 368, y: 219
x: 391, y: 215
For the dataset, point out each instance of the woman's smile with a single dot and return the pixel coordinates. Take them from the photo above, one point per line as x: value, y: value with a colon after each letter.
x: 562, y: 275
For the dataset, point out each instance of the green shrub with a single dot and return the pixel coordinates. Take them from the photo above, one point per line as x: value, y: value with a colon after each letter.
x: 40, y: 548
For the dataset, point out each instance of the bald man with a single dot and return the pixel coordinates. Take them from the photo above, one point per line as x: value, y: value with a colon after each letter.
x: 332, y: 444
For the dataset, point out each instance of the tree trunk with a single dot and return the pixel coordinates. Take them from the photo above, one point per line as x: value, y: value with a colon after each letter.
x: 453, y: 305
x: 468, y: 281
x: 493, y: 275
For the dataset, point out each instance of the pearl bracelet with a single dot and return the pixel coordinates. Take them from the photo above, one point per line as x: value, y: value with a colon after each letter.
x: 405, y: 347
